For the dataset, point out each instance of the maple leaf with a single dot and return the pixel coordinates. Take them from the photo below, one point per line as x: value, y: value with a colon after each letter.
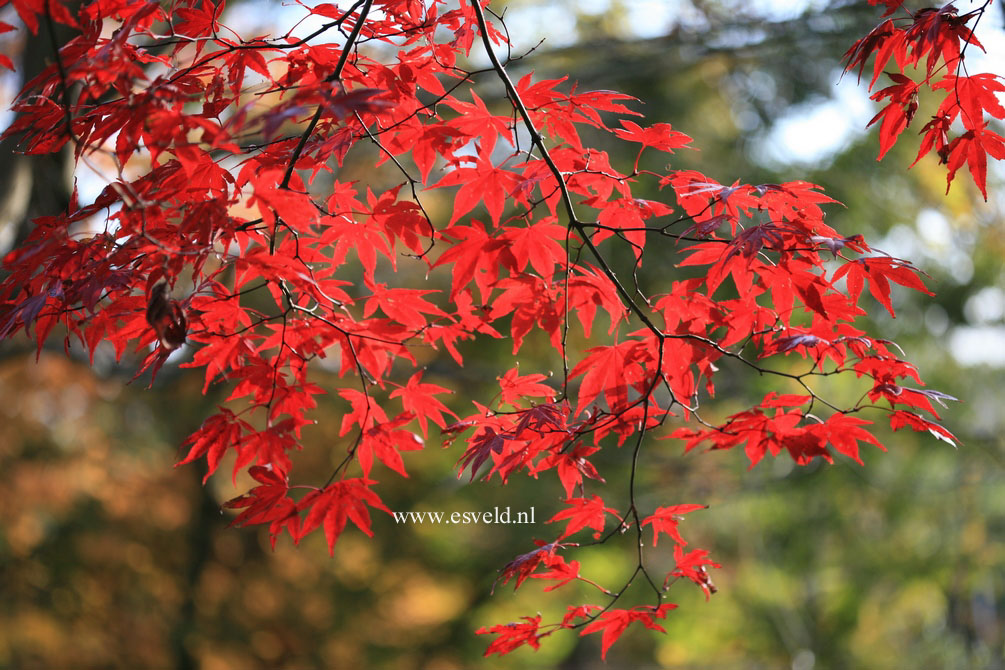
x: 475, y: 120
x: 347, y: 103
x: 973, y: 148
x: 614, y: 622
x: 523, y: 565
x: 366, y: 412
x: 590, y: 104
x: 891, y: 5
x: 901, y: 418
x: 513, y: 635
x: 693, y: 565
x: 483, y: 183
x: 516, y: 387
x: 267, y: 503
x: 665, y: 520
x: 385, y: 441
x: 198, y: 21
x: 344, y: 235
x: 401, y: 220
x: 578, y: 612
x: 218, y: 433
x: 5, y: 60
x: 660, y: 136
x: 879, y: 270
x: 532, y: 302
x: 609, y: 371
x: 426, y: 143
x: 626, y: 217
x: 406, y: 306
x: 538, y: 245
x: 584, y: 513
x: 540, y: 421
x: 897, y: 115
x: 335, y: 505
x: 845, y: 432
x: 589, y: 289
x: 559, y: 570
x: 884, y: 41
x: 27, y: 11
x: 481, y: 446
x: 419, y: 398
x: 475, y: 255
x: 939, y: 33
x: 971, y: 97
x: 27, y: 311
x: 571, y: 466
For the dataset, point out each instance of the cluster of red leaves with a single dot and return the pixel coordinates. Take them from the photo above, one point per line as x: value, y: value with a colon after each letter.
x: 596, y: 619
x: 208, y: 240
x: 933, y: 43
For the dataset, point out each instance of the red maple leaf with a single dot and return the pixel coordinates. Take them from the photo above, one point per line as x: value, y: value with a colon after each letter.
x: 614, y: 622
x: 513, y: 635
x: 516, y: 387
x: 420, y: 399
x: 335, y: 505
x: 659, y: 136
x: 610, y: 371
x: 584, y: 513
x: 483, y: 183
x: 558, y: 570
x: 481, y: 446
x: 267, y: 503
x: 665, y: 520
x: 693, y: 565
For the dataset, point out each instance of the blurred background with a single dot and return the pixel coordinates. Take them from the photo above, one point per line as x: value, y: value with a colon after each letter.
x: 111, y: 557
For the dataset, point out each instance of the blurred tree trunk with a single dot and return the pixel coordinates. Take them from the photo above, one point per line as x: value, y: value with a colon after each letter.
x: 198, y: 538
